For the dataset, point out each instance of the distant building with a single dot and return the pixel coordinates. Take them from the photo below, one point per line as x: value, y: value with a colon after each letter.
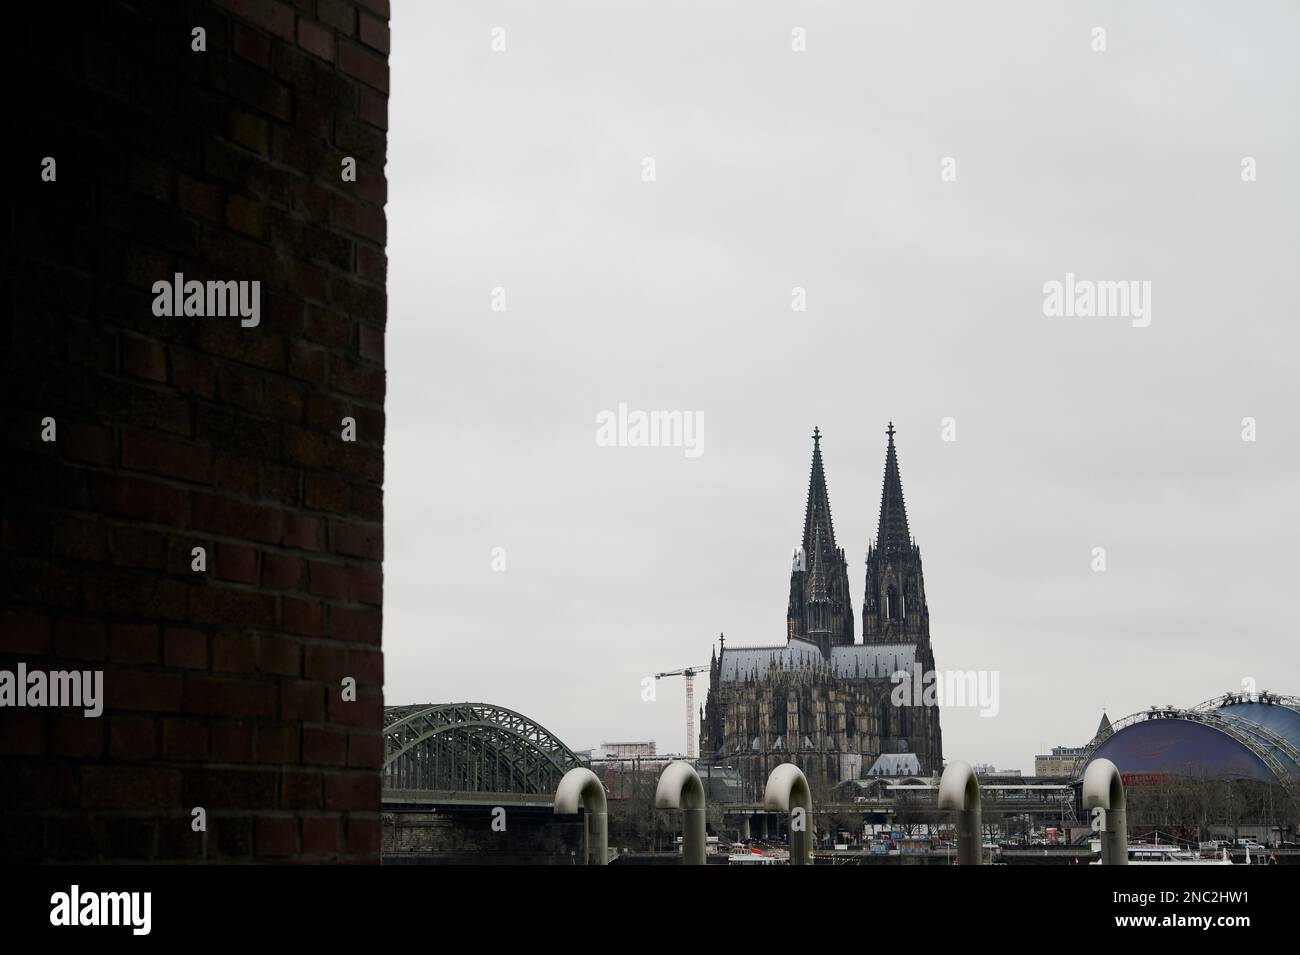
x: 895, y: 764
x: 988, y: 769
x: 822, y: 700
x: 606, y: 752
x: 1064, y: 760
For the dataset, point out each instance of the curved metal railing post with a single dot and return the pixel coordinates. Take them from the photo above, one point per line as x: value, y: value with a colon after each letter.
x: 959, y: 791
x: 581, y: 787
x: 680, y: 788
x: 787, y: 792
x: 1103, y: 789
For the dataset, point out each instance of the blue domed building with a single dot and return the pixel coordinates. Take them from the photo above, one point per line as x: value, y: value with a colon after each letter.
x: 1237, y: 738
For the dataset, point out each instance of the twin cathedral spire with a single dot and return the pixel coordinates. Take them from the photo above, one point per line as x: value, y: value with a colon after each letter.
x: 893, y: 608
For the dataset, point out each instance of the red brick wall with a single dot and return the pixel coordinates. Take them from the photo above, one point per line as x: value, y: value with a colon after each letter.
x: 223, y: 689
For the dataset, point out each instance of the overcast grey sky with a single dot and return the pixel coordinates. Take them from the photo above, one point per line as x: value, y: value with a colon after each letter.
x: 821, y: 169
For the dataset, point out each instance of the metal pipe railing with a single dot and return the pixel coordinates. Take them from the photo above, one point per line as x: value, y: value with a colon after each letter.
x: 581, y: 788
x: 680, y: 788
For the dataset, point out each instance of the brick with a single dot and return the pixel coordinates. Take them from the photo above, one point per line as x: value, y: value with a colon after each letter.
x: 137, y: 593
x: 232, y: 742
x: 302, y: 532
x: 129, y: 787
x: 359, y: 219
x: 250, y: 130
x: 234, y: 839
x: 323, y: 747
x: 222, y: 606
x: 315, y: 38
x: 364, y: 835
x: 365, y: 749
x: 24, y: 633
x: 374, y: 33
x: 372, y: 264
x: 379, y: 8
x: 340, y: 14
x: 367, y: 666
x: 325, y: 662
x: 142, y: 451
x: 140, y: 547
x: 244, y: 216
x: 143, y: 358
x: 80, y: 539
x: 230, y: 788
x: 200, y: 198
x: 354, y: 623
x: 302, y: 701
x: 177, y: 433
x: 150, y: 178
x: 132, y: 738
x: 191, y: 375
x: 370, y: 68
x: 40, y: 786
x: 281, y: 572
x: 307, y: 362
x: 303, y: 617
x: 332, y: 329
x: 87, y: 442
x: 133, y: 643
x: 236, y: 474
x: 234, y: 653
x: 80, y: 639
x: 365, y: 710
x: 278, y: 744
x: 280, y: 655
x: 236, y: 563
x: 301, y: 790
x: 185, y: 739
x: 325, y: 494
x: 372, y: 343
x: 320, y: 835
x: 271, y: 15
x: 141, y: 690
x: 327, y: 580
x: 365, y: 585
x: 276, y: 836
x: 137, y: 498
x: 251, y: 45
x: 220, y: 696
x: 232, y: 518
x: 185, y: 648
x: 357, y: 540
x: 78, y: 736
x: 352, y: 791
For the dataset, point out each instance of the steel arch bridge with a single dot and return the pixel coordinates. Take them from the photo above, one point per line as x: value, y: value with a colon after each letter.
x: 471, y: 747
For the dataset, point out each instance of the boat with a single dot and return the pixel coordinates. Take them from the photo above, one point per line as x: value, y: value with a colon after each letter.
x: 1149, y: 853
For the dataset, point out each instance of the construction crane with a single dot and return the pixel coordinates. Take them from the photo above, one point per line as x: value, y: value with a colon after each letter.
x: 689, y: 673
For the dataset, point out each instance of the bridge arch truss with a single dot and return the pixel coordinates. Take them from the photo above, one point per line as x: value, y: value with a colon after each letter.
x: 474, y: 747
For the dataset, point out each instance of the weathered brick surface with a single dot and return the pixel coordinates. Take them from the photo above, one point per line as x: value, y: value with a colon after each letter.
x: 221, y: 687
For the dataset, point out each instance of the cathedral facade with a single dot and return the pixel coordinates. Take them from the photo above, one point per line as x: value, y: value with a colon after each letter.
x: 823, y: 700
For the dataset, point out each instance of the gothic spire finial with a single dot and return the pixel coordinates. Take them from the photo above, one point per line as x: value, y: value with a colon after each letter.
x: 817, y: 516
x: 892, y: 535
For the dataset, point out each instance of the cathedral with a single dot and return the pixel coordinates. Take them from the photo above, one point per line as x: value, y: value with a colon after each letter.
x: 822, y: 700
